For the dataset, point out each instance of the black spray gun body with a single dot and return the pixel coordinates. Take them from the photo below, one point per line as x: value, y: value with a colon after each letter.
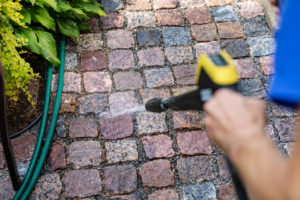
x: 213, y: 72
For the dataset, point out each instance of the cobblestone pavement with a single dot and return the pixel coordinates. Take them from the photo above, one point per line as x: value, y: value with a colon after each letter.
x: 106, y: 146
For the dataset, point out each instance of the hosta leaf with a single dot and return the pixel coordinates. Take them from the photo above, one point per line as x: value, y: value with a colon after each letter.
x: 42, y: 16
x: 27, y: 16
x: 68, y: 27
x: 50, y: 3
x: 63, y: 6
x: 84, y: 27
x: 91, y: 6
x: 30, y: 35
x: 78, y: 13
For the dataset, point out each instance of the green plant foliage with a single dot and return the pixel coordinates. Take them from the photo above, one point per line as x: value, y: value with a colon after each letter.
x: 17, y: 72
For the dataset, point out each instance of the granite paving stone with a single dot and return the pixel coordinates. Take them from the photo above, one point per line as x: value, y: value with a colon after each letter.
x: 23, y: 147
x: 158, y: 146
x: 148, y: 94
x: 158, y: 4
x: 169, y: 18
x: 229, y: 30
x: 185, y: 74
x: 140, y: 19
x: 6, y: 189
x: 121, y: 101
x: 2, y: 159
x: 147, y: 38
x: 121, y: 59
x: 176, y: 36
x: 113, y: 20
x: 206, y: 191
x: 251, y: 88
x: 151, y: 122
x: 120, y: 179
x: 68, y: 103
x: 192, y: 143
x: 120, y: 39
x: 81, y: 127
x: 128, y: 80
x: 282, y: 111
x: 223, y: 167
x: 151, y: 57
x: 236, y: 48
x: 179, y: 55
x: 270, y: 131
x: 261, y: 46
x: 159, y: 77
x: 93, y: 103
x: 124, y: 197
x: 266, y: 65
x: 89, y: 42
x: 138, y: 4
x: 157, y: 173
x: 121, y: 150
x: 57, y: 157
x: 70, y: 61
x: 224, y: 14
x: 60, y: 128
x: 187, y: 119
x: 97, y: 81
x: 92, y: 61
x: 213, y: 3
x: 246, y: 68
x: 82, y: 183
x: 207, y: 48
x: 116, y: 127
x: 163, y: 195
x: 198, y: 16
x: 285, y: 128
x: 112, y: 5
x: 94, y: 24
x: 250, y: 9
x: 227, y: 192
x: 72, y: 82
x: 204, y: 33
x: 85, y: 153
x: 194, y: 169
x: 191, y: 3
x: 255, y: 27
x: 289, y: 148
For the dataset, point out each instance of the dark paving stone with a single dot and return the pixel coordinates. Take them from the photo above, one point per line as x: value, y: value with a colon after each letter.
x: 149, y: 38
x: 176, y: 36
x: 60, y: 127
x: 224, y: 14
x: 236, y: 48
x: 227, y: 192
x: 205, y: 191
x: 57, y: 157
x: 2, y: 159
x: 252, y: 88
x: 94, y: 103
x: 116, y: 127
x: 81, y: 127
x: 111, y: 5
x: 255, y: 27
x: 48, y: 187
x: 23, y: 147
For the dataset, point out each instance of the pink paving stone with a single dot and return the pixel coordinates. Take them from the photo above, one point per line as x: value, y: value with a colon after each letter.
x: 169, y: 18
x: 120, y: 39
x: 148, y: 94
x: 289, y: 147
x: 82, y: 127
x: 122, y: 101
x: 192, y: 143
x: 85, y: 153
x: 138, y: 4
x: 159, y: 4
x: 204, y: 33
x: 151, y: 57
x: 223, y: 167
x: 89, y: 42
x: 187, y: 119
x: 92, y: 61
x: 285, y: 128
x: 82, y: 183
x: 149, y: 122
x: 227, y: 192
x: 159, y: 146
x: 128, y: 80
x: 116, y: 127
x: 140, y: 19
x: 121, y: 150
x: 6, y: 189
x: 97, y: 81
x: 157, y: 173
x: 120, y: 179
x: 178, y: 55
x: 218, y: 2
x: 121, y: 59
x: 230, y: 30
x: 185, y: 74
x: 163, y: 195
x: 266, y: 65
x: 23, y: 147
x: 113, y: 20
x: 207, y: 48
x: 124, y: 197
x: 198, y: 16
x: 57, y: 157
x: 282, y: 111
x: 250, y: 9
x: 159, y: 77
x: 72, y: 82
x: 245, y: 68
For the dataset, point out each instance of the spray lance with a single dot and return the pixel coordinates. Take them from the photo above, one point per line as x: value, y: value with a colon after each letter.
x: 213, y: 72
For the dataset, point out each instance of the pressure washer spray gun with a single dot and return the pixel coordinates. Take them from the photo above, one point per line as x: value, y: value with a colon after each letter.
x: 213, y: 72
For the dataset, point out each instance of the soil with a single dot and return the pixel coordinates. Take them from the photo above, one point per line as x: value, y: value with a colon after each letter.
x: 21, y: 114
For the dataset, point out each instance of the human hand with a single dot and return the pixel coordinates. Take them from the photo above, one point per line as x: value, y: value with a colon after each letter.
x: 232, y: 120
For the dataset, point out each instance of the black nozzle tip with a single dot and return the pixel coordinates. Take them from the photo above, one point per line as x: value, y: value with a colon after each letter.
x: 154, y: 105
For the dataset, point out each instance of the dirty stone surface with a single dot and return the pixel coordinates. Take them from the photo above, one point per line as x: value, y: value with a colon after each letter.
x: 106, y: 146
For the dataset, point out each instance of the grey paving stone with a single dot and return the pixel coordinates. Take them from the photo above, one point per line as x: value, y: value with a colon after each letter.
x: 236, y: 48
x: 224, y: 14
x: 111, y: 5
x: 255, y: 27
x: 206, y: 191
x: 149, y: 38
x: 252, y: 88
x: 48, y: 187
x: 176, y: 36
x: 70, y: 61
x: 60, y: 128
x: 261, y: 46
x: 140, y: 19
x: 94, y: 103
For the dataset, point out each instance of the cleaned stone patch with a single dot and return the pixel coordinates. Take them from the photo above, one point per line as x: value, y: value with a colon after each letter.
x: 224, y: 14
x: 179, y: 55
x: 138, y: 4
x: 206, y: 191
x: 120, y: 179
x: 195, y: 169
x: 120, y: 39
x: 97, y: 82
x: 185, y: 74
x: 121, y: 59
x: 250, y: 9
x: 89, y: 42
x: 198, y: 16
x: 113, y: 20
x: 70, y: 61
x: 140, y: 19
x: 147, y: 38
x: 112, y: 5
x: 176, y: 36
x: 121, y: 150
x: 159, y: 146
x: 285, y: 129
x: 158, y: 4
x: 128, y: 80
x: 227, y: 192
x: 159, y: 77
x: 266, y: 65
x: 261, y: 46
x: 245, y: 68
x: 72, y: 82
x: 207, y: 48
x: 169, y: 18
x: 255, y: 27
x: 236, y: 48
x: 57, y: 157
x: 93, y: 103
x: 116, y: 127
x: 187, y: 119
x: 148, y: 94
x: 92, y: 61
x: 163, y: 195
x: 157, y: 173
x: 230, y: 30
x: 204, y: 33
x: 85, y: 153
x: 82, y: 183
x: 191, y: 3
x: 151, y: 122
x: 83, y: 127
x: 151, y: 57
x: 121, y: 101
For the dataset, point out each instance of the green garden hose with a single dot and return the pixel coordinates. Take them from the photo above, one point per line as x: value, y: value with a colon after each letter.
x: 35, y: 169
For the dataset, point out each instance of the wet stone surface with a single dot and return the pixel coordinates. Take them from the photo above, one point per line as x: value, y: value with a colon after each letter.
x: 116, y: 127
